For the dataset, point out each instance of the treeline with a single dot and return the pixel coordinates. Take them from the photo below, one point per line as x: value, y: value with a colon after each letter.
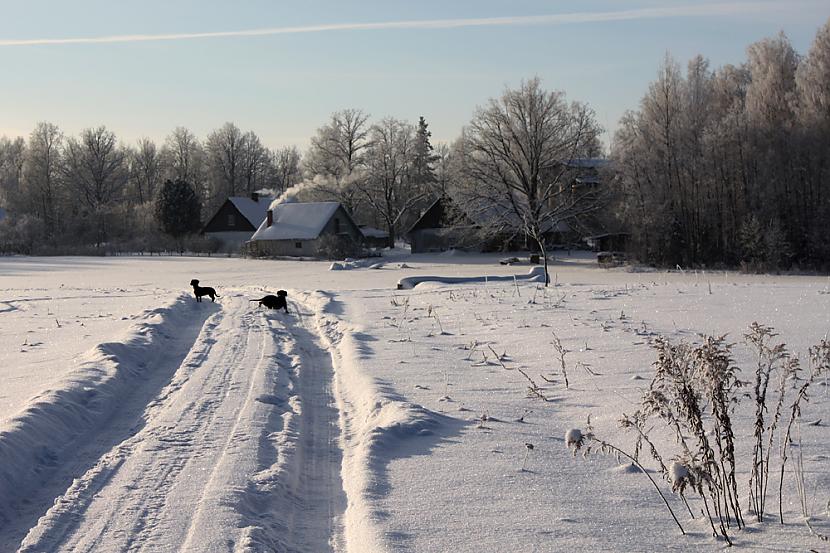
x: 89, y: 193
x: 717, y: 167
x: 731, y: 166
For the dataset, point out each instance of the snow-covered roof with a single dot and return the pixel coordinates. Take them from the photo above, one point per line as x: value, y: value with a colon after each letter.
x: 371, y: 232
x: 253, y: 211
x: 297, y: 221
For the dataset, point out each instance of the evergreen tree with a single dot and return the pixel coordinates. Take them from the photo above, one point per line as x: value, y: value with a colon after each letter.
x: 424, y: 157
x: 177, y: 209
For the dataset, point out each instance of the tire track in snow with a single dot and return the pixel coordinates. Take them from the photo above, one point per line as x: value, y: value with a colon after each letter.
x: 239, y: 452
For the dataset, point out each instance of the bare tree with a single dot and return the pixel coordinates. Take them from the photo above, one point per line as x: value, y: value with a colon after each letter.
x: 336, y: 157
x: 286, y: 162
x: 225, y: 147
x: 12, y: 158
x: 517, y: 152
x: 145, y: 170
x: 184, y: 157
x: 388, y: 186
x: 42, y: 174
x: 255, y: 162
x: 95, y: 169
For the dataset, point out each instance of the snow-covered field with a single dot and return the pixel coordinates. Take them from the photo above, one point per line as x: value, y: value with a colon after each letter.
x: 369, y: 419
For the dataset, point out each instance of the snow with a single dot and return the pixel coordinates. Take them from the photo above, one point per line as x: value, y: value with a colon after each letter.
x: 370, y: 418
x: 296, y: 221
x: 573, y: 438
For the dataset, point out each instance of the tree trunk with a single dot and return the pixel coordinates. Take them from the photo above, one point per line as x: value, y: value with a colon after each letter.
x: 540, y: 241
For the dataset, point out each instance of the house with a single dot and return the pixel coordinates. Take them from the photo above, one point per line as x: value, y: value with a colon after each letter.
x: 298, y: 229
x: 237, y: 220
x: 607, y: 242
x: 441, y: 227
x: 445, y: 225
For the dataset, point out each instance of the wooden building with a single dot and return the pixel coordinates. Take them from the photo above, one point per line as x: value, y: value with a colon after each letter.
x: 237, y: 220
x: 295, y: 229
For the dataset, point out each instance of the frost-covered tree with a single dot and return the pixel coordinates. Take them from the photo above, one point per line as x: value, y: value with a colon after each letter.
x: 12, y: 159
x: 709, y: 152
x: 95, y: 170
x: 42, y: 182
x: 145, y: 163
x: 286, y: 167
x: 335, y: 159
x: 224, y: 148
x: 516, y: 155
x: 388, y: 186
x: 424, y: 157
x: 184, y: 157
x: 255, y: 163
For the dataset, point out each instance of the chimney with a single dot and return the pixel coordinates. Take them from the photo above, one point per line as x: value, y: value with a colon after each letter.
x: 269, y: 218
x: 255, y: 196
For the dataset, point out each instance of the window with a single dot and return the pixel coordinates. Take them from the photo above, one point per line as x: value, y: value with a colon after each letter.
x: 231, y: 220
x: 336, y: 225
x: 298, y: 245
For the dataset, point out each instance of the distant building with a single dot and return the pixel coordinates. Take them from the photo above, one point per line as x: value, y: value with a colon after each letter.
x: 374, y: 237
x: 445, y: 225
x: 237, y: 220
x: 295, y: 229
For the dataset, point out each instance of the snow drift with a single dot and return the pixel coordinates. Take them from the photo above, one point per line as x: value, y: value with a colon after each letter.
x: 536, y: 274
x: 374, y: 425
x: 66, y: 417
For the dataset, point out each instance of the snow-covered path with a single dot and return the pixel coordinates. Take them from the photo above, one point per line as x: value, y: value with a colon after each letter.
x: 238, y: 452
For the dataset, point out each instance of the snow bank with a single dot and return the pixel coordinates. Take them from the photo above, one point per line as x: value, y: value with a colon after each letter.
x: 536, y: 274
x: 373, y: 424
x: 67, y: 416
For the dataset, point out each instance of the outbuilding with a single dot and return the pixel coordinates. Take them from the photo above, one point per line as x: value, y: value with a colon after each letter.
x: 237, y: 220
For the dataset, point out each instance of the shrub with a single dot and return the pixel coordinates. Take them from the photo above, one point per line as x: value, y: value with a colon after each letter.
x: 336, y: 247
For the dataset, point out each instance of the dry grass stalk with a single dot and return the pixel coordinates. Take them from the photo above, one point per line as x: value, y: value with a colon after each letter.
x: 557, y: 345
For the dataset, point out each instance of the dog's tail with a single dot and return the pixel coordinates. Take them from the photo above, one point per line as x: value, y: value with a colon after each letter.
x: 260, y: 299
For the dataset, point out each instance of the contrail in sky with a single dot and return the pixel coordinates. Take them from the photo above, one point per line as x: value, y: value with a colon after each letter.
x: 732, y: 8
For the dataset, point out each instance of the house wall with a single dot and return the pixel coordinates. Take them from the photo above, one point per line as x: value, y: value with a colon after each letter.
x: 282, y: 248
x: 346, y: 225
x: 442, y: 239
x: 221, y: 222
x: 231, y: 241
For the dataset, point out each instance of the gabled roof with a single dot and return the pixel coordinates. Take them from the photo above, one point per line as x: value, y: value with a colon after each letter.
x: 253, y: 211
x: 441, y: 213
x: 297, y: 221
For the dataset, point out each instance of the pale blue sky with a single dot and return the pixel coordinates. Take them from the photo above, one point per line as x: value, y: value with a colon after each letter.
x: 283, y: 86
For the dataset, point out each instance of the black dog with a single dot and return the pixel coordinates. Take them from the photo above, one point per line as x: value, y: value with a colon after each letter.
x: 275, y: 302
x: 200, y: 291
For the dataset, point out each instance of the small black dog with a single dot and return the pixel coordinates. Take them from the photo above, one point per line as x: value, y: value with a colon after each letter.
x: 275, y: 302
x: 200, y: 291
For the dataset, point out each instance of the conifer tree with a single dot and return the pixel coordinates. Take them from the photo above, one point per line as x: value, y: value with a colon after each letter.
x: 177, y: 209
x: 423, y: 162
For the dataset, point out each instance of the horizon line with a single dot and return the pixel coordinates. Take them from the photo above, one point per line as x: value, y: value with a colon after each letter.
x: 731, y: 8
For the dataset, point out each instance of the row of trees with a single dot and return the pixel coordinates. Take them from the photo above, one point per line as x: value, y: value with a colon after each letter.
x: 731, y: 165
x: 721, y: 166
x: 67, y: 191
x: 382, y: 172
